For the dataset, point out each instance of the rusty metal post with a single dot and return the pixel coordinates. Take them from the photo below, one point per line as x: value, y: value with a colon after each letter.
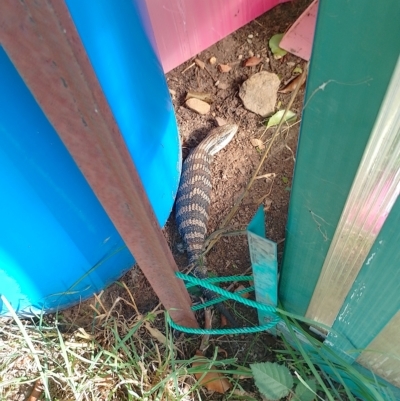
x: 41, y: 40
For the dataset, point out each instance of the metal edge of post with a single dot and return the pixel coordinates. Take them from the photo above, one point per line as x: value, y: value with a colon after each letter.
x: 41, y: 40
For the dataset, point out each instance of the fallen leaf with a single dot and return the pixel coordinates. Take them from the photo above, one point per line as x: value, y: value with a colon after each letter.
x: 274, y: 46
x: 224, y: 67
x: 213, y: 60
x: 252, y: 61
x: 155, y: 333
x: 212, y: 381
x: 257, y: 143
x: 291, y: 85
x: 200, y: 63
x: 290, y: 117
x: 205, y: 97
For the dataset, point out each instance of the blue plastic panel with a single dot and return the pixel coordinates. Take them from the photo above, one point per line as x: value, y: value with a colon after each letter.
x: 57, y: 245
x: 118, y: 39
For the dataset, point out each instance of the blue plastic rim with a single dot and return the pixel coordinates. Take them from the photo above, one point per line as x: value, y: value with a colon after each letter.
x: 57, y: 245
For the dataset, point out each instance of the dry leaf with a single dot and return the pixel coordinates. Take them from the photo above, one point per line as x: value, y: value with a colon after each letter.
x: 257, y: 143
x: 240, y: 288
x: 291, y: 85
x: 205, y: 97
x: 224, y: 67
x: 155, y: 333
x: 212, y: 381
x: 252, y: 61
x: 36, y: 391
x: 200, y: 63
x: 213, y: 60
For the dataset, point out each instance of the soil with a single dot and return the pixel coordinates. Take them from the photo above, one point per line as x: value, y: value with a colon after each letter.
x: 233, y: 166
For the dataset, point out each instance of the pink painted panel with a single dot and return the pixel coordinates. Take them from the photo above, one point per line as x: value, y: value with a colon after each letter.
x: 183, y: 28
x: 299, y: 38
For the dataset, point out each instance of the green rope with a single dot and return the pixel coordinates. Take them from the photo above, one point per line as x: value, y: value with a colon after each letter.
x: 207, y: 283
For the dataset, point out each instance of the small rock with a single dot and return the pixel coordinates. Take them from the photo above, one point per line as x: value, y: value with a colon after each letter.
x: 249, y: 41
x: 220, y: 121
x: 198, y: 106
x: 258, y: 93
x: 240, y: 56
x: 222, y: 85
x: 267, y: 204
x: 251, y: 53
x: 250, y: 36
x: 213, y: 60
x: 224, y: 67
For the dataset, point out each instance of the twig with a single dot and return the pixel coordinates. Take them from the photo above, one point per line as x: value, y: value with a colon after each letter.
x: 188, y: 68
x: 233, y: 211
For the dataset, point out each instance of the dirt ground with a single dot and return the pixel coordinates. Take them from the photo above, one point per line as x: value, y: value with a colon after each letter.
x: 233, y: 166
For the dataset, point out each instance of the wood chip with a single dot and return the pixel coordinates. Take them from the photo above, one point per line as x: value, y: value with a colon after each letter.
x: 252, y: 61
x: 224, y: 67
x: 291, y: 85
x: 198, y: 106
x: 200, y: 63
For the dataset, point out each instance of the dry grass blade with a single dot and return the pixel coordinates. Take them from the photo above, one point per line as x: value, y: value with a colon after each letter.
x: 28, y: 342
x: 263, y: 158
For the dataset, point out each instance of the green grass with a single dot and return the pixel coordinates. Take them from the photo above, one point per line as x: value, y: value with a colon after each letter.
x: 112, y: 357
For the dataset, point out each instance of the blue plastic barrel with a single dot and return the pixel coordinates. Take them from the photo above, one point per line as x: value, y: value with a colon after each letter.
x: 57, y: 244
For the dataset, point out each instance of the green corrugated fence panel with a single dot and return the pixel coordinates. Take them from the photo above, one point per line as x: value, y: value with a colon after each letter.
x: 355, y: 50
